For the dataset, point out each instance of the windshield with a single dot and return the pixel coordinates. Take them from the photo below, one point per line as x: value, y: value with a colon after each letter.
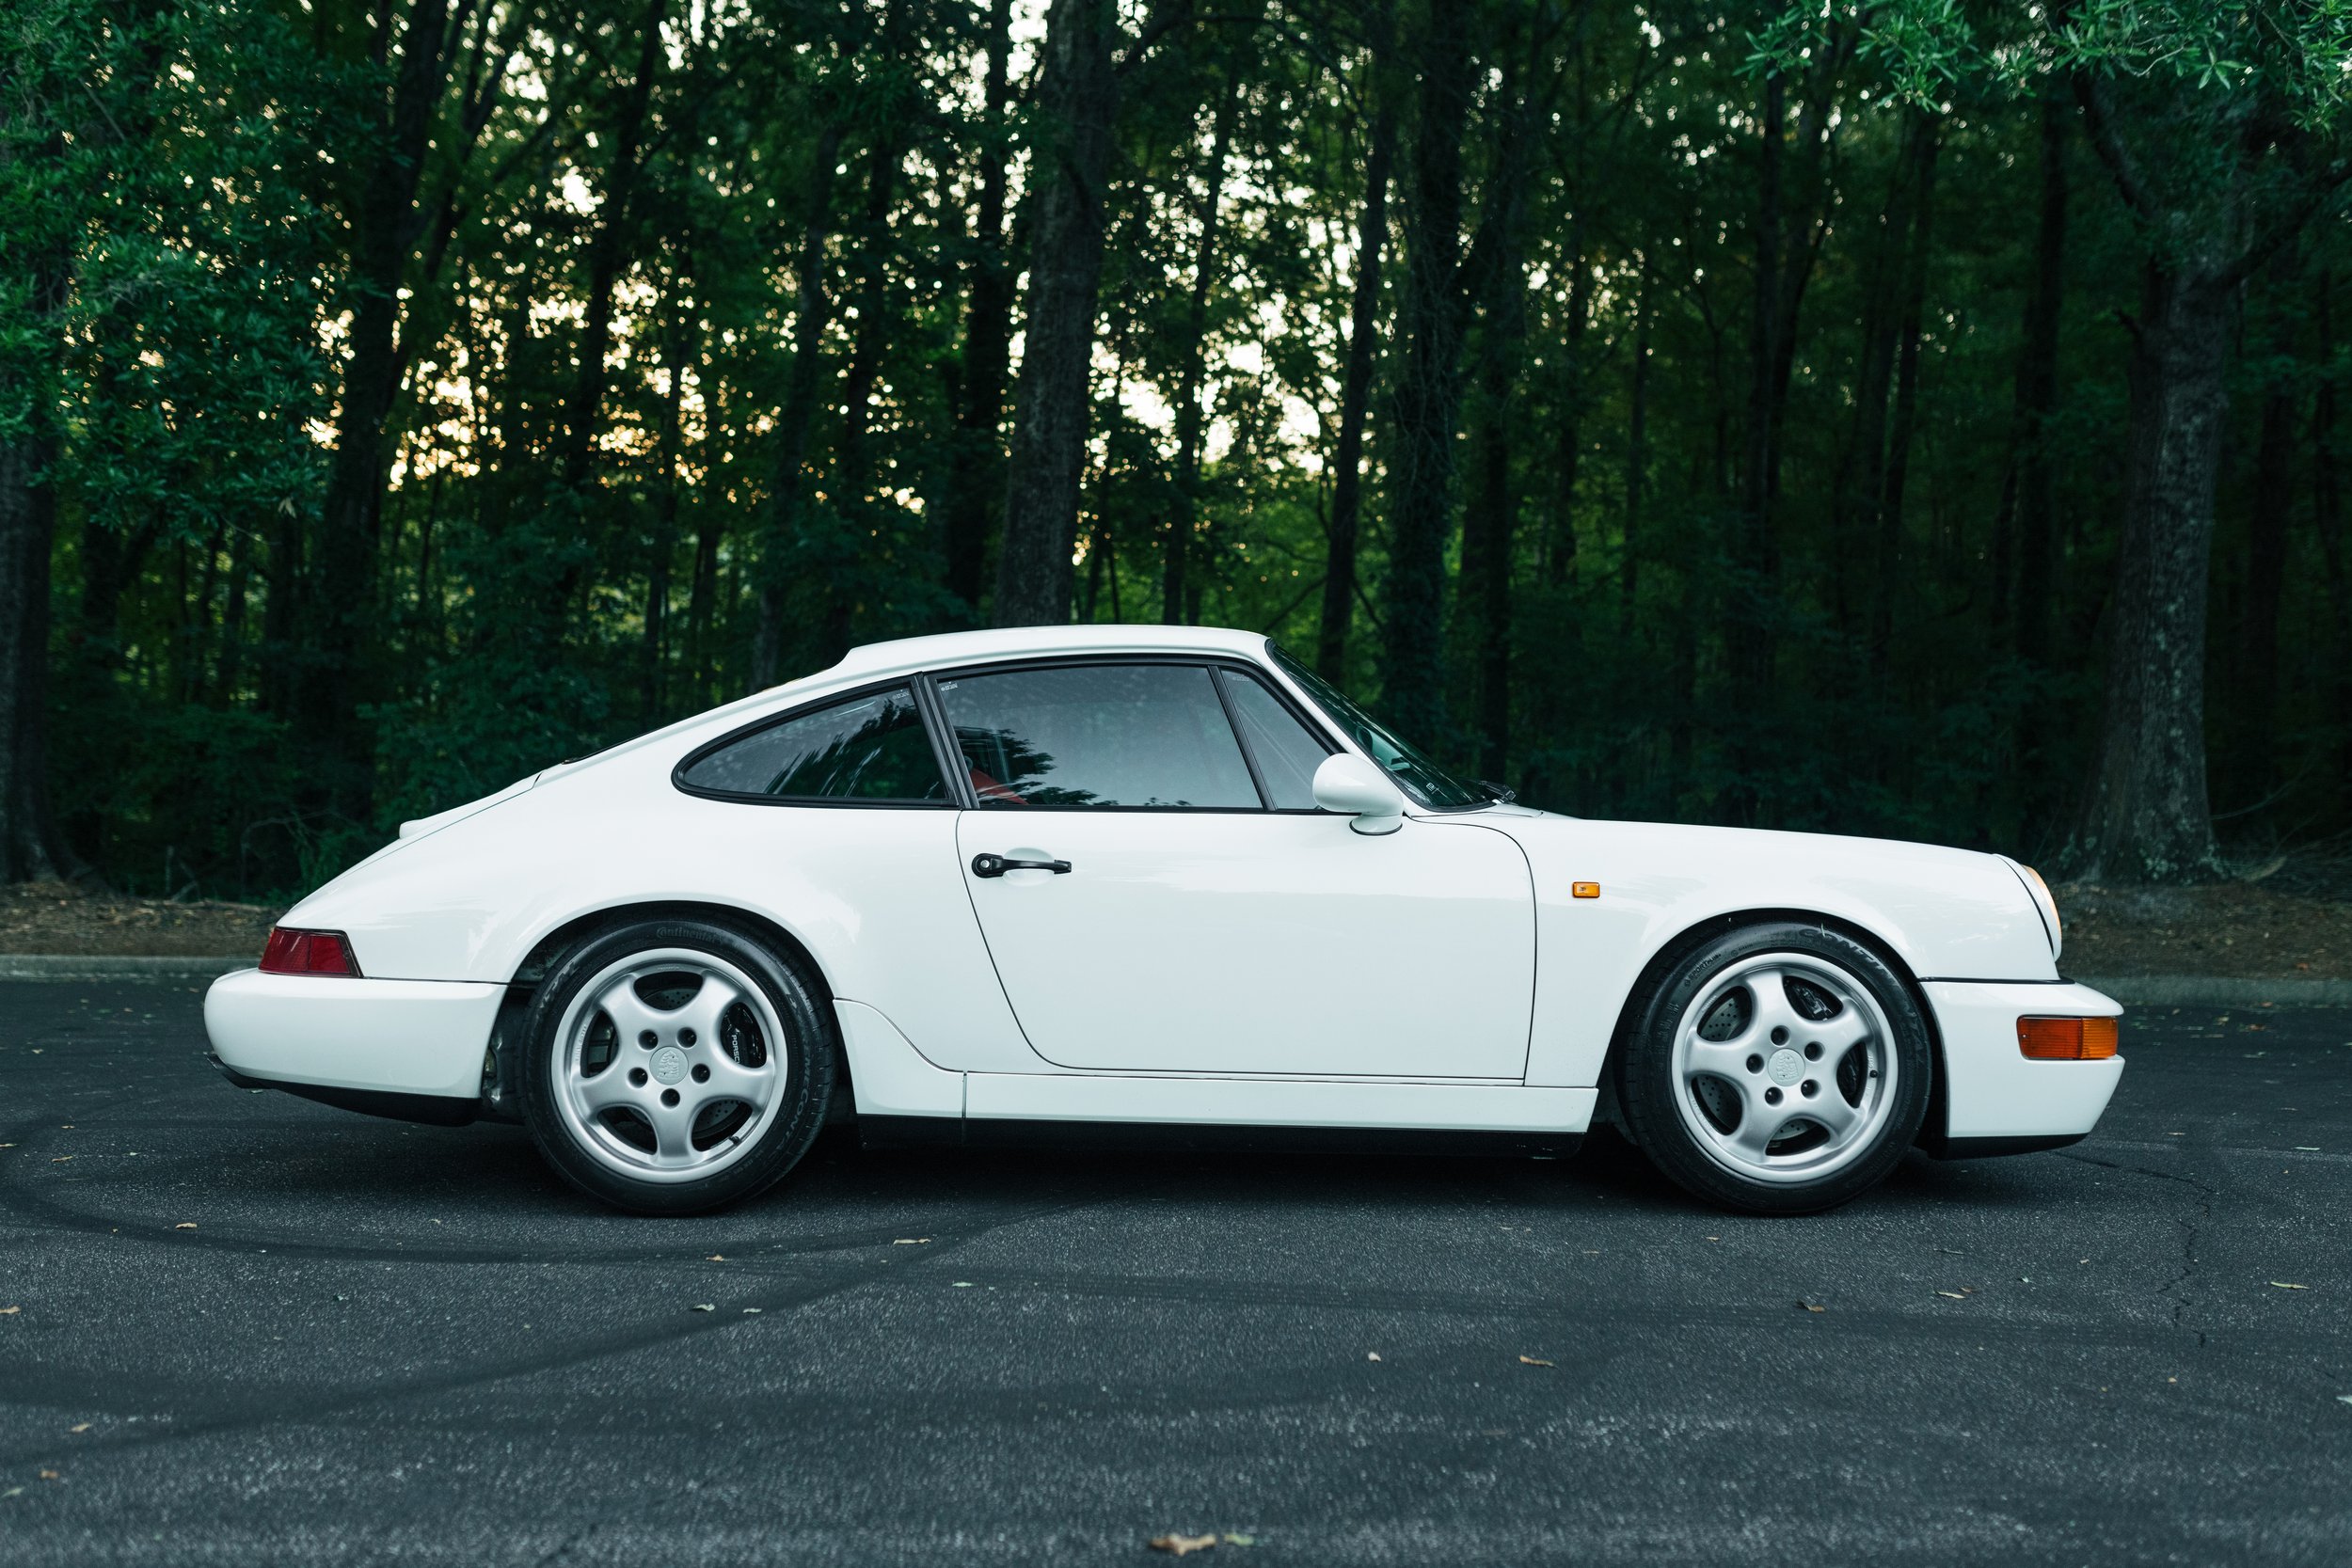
x: 1419, y: 776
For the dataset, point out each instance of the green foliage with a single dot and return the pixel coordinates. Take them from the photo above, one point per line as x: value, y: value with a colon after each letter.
x: 536, y: 587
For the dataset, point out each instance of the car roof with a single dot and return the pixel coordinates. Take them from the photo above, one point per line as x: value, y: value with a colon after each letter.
x: 974, y: 647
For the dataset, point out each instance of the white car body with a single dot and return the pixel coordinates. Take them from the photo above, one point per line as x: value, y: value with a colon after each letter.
x: 1245, y: 969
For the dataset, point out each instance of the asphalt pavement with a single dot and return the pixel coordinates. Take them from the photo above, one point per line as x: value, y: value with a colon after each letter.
x: 238, y: 1328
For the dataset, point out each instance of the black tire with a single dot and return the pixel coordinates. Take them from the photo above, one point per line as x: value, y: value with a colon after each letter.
x: 590, y: 1149
x: 1676, y: 1112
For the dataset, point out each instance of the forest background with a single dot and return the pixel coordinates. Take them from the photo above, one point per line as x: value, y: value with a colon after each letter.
x: 1915, y: 419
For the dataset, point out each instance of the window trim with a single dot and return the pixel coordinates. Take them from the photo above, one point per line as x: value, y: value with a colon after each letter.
x: 951, y: 800
x: 1213, y: 663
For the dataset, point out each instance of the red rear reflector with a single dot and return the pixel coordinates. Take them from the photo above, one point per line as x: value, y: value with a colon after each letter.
x: 2066, y: 1040
x: 307, y: 953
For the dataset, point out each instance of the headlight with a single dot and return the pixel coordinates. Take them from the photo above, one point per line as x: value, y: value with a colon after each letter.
x: 2042, y: 901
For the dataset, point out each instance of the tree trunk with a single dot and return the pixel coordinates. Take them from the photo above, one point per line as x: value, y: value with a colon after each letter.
x: 329, y: 682
x: 1428, y: 393
x: 669, y: 458
x: 1188, y: 420
x: 1347, y: 462
x: 1636, y: 452
x: 29, y: 446
x: 1488, y: 522
x: 28, y: 515
x: 2257, y: 706
x: 1888, y: 504
x: 1764, y: 326
x: 2034, y: 596
x: 812, y: 314
x: 607, y: 254
x: 2328, y: 522
x: 976, y: 486
x: 2146, y: 816
x: 854, y: 483
x: 1077, y: 99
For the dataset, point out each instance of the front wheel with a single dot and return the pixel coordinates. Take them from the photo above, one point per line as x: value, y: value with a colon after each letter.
x: 1779, y: 1068
x: 674, y: 1066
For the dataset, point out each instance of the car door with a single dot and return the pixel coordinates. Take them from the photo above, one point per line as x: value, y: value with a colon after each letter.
x: 1158, y: 897
x: 837, y: 816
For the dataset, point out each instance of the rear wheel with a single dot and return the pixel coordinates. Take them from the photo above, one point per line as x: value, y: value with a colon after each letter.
x: 672, y: 1067
x: 1778, y: 1068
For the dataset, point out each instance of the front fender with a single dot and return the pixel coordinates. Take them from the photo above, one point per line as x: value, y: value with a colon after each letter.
x: 1942, y: 913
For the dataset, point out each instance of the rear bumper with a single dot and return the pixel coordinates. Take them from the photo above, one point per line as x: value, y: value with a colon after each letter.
x: 362, y: 1037
x: 1996, y: 1100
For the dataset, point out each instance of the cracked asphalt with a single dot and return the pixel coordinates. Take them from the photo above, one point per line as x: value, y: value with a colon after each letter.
x: 239, y: 1328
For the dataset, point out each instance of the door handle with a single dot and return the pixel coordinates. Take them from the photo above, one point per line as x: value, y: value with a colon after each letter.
x: 996, y: 865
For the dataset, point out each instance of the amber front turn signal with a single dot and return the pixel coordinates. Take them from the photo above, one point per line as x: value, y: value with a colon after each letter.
x: 2066, y: 1040
x: 1585, y: 890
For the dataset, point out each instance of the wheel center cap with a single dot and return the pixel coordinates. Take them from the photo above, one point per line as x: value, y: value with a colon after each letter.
x: 669, y: 1063
x: 1784, y: 1066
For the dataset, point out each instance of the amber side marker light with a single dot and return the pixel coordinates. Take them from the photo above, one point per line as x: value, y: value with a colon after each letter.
x: 2066, y: 1040
x: 1585, y: 890
x: 309, y: 953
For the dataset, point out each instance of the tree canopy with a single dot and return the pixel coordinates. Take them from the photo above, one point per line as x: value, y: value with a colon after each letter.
x: 1915, y: 419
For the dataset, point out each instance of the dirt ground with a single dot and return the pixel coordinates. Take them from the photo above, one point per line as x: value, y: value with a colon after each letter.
x: 2250, y: 930
x: 2293, y: 923
x: 53, y: 917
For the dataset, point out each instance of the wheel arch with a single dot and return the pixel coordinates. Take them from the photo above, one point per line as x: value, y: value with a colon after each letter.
x: 498, y: 1085
x: 1678, y: 946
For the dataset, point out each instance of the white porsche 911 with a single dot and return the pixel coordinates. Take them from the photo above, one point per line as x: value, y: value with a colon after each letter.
x: 1081, y: 879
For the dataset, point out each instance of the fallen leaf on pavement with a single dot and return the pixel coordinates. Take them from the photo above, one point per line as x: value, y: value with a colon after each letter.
x: 2284, y: 1285
x: 1954, y: 1294
x: 1180, y: 1545
x: 184, y: 1225
x: 1530, y: 1361
x: 716, y: 1258
x: 49, y: 1475
x: 13, y: 1492
x: 1232, y: 1539
x: 61, y: 1159
x: 10, y: 1311
x: 751, y: 1311
x: 2344, y: 1398
x: 912, y: 1241
x: 1369, y: 1356
x: 1811, y: 1307
x: 81, y: 1428
x: 706, y: 1307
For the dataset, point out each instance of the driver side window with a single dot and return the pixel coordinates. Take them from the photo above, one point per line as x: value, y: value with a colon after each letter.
x: 1150, y: 736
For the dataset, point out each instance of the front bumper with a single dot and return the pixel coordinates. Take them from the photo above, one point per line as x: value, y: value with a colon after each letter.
x: 1996, y: 1101
x: 405, y: 1037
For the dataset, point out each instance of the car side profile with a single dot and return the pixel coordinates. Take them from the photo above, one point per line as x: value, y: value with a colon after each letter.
x: 1093, y: 879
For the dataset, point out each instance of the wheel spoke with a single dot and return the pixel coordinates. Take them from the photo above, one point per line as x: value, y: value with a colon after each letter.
x: 731, y: 1080
x: 673, y: 1131
x: 629, y: 1012
x: 1841, y: 1034
x: 1768, y: 988
x: 1759, y: 1124
x: 1724, y: 1058
x: 1830, y: 1109
x: 610, y: 1088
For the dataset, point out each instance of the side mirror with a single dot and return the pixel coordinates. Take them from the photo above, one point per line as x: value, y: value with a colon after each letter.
x: 1349, y: 785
